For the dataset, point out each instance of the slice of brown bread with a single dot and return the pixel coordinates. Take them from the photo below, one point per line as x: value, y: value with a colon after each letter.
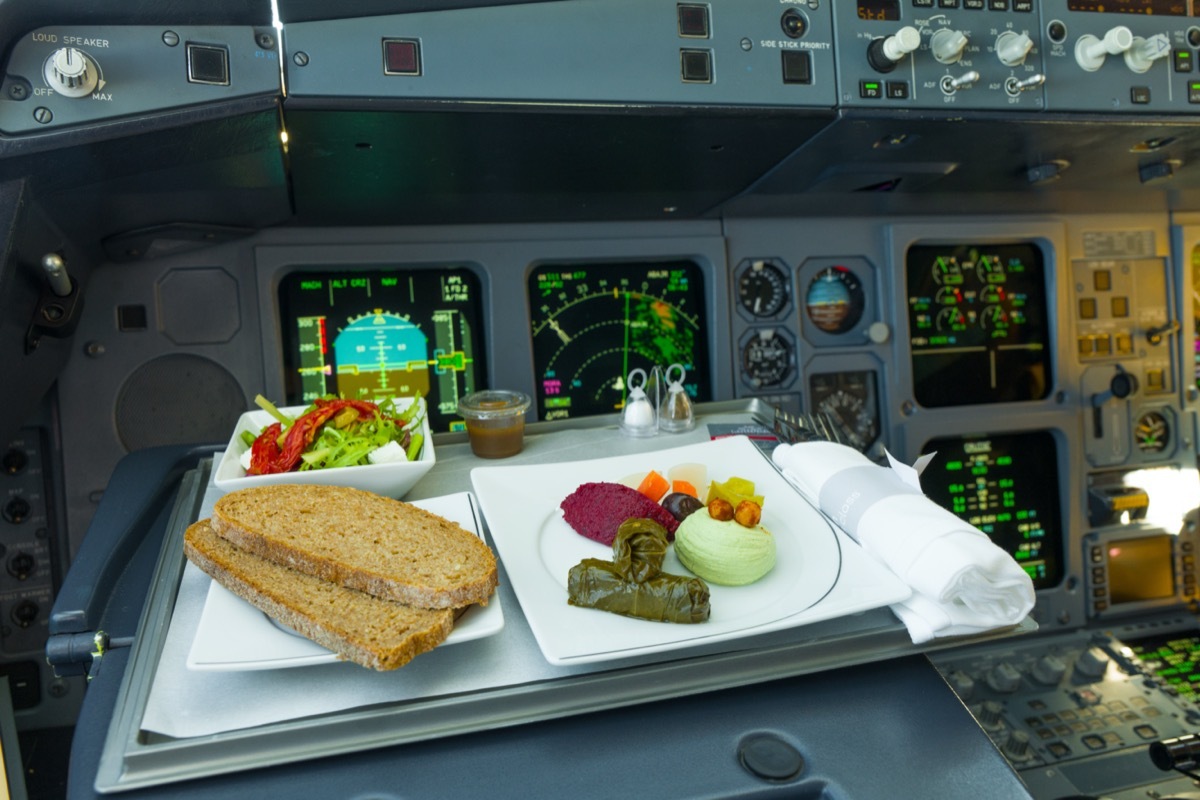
x: 379, y: 634
x: 377, y: 545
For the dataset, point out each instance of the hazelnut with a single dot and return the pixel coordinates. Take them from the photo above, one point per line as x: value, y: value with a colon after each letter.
x: 720, y: 509
x: 748, y: 513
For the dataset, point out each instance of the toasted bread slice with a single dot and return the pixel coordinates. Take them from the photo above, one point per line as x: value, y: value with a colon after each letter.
x: 361, y: 540
x: 379, y: 634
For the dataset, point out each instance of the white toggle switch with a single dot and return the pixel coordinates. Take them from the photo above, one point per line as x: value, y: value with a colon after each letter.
x: 1014, y: 87
x: 964, y: 81
x: 1090, y: 52
x: 1144, y: 52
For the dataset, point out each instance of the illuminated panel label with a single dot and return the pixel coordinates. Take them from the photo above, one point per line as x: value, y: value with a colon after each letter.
x: 384, y: 333
x: 1165, y: 8
x: 879, y: 9
x: 1007, y: 486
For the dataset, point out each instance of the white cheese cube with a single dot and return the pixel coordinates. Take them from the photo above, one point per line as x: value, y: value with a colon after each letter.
x: 387, y: 454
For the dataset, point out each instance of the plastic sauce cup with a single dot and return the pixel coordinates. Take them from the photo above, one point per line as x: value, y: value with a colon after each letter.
x: 495, y: 421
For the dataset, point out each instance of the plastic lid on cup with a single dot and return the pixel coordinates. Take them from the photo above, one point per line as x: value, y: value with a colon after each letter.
x: 493, y: 404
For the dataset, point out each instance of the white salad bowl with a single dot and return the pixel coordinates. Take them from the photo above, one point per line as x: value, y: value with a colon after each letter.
x: 393, y: 479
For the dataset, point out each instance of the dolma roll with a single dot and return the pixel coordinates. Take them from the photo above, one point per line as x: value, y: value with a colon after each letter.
x: 633, y: 583
x: 639, y: 549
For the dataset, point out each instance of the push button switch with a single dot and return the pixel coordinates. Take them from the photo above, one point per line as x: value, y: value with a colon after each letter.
x: 401, y: 57
x: 870, y: 90
x: 797, y: 66
x: 208, y: 64
x: 693, y: 20
x: 696, y: 66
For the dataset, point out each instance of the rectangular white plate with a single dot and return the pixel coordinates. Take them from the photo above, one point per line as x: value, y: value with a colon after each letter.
x: 820, y: 572
x: 235, y: 636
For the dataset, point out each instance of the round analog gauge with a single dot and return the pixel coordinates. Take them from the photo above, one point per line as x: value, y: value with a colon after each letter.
x: 989, y: 269
x: 948, y: 296
x: 991, y: 294
x: 851, y: 401
x: 835, y: 300
x: 947, y: 271
x: 1153, y: 432
x: 762, y: 289
x: 994, y: 318
x: 767, y: 358
x: 951, y: 319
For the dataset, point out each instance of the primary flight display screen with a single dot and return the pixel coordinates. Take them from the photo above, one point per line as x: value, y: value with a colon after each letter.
x: 978, y: 329
x: 381, y: 333
x: 594, y: 323
x: 1007, y: 486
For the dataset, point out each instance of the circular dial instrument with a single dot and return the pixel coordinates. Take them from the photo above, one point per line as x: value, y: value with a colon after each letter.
x: 767, y: 357
x: 835, y: 300
x: 593, y: 324
x: 763, y: 288
x: 1153, y: 432
x: 946, y: 271
x: 850, y: 400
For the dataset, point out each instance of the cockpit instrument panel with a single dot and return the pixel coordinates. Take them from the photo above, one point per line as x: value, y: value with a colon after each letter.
x: 851, y: 399
x: 978, y: 329
x: 384, y: 332
x: 595, y: 322
x: 1007, y: 486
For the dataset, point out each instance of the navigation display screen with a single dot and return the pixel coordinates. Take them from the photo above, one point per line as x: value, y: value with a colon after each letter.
x: 384, y: 332
x: 978, y: 329
x: 594, y: 323
x: 1007, y: 486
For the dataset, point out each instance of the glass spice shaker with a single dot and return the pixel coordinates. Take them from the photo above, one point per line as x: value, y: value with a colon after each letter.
x: 638, y: 418
x: 675, y: 413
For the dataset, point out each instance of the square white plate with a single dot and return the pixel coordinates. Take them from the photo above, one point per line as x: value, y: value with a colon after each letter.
x: 809, y: 582
x: 235, y: 636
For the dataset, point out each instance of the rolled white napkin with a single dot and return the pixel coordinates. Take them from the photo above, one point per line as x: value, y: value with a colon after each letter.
x: 962, y: 582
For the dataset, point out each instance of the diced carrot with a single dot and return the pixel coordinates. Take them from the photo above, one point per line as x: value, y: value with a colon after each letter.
x: 685, y: 487
x: 653, y: 486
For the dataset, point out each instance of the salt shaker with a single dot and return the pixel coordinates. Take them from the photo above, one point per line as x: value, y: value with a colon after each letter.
x: 675, y: 413
x: 638, y: 417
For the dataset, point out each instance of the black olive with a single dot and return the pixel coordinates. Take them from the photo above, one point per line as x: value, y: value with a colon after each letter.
x: 681, y: 505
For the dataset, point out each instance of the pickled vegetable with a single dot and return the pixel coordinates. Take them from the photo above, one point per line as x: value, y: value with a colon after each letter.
x: 653, y: 486
x: 733, y: 491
